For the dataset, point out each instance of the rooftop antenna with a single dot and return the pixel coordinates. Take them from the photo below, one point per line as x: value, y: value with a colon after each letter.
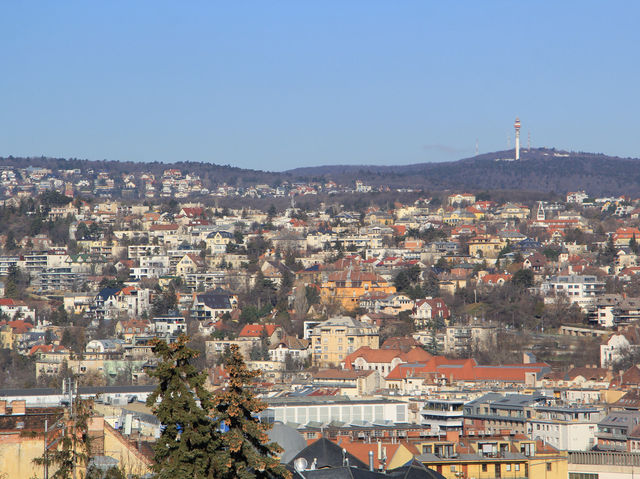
x: 517, y: 128
x: 477, y: 149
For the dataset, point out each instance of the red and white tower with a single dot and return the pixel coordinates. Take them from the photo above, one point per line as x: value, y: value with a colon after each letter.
x: 517, y: 127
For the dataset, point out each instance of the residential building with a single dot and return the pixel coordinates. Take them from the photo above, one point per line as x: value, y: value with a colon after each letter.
x: 567, y: 428
x: 337, y: 337
x: 582, y: 290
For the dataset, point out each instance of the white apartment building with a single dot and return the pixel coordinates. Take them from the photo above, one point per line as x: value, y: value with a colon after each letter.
x: 579, y: 289
x: 565, y: 428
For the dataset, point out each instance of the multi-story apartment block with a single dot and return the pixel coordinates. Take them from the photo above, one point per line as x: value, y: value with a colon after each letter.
x: 579, y: 289
x: 335, y: 338
x: 566, y: 428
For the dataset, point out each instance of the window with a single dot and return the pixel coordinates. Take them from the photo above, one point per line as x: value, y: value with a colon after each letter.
x: 582, y: 475
x: 508, y: 467
x: 484, y: 468
x: 548, y: 466
x: 517, y: 467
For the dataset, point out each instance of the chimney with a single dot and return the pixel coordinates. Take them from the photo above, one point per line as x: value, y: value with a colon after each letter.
x: 453, y: 436
x: 371, y: 461
x: 3, y: 408
x: 18, y: 408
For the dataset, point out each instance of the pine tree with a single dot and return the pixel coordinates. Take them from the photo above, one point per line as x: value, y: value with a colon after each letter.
x: 633, y: 244
x: 188, y: 443
x: 244, y: 451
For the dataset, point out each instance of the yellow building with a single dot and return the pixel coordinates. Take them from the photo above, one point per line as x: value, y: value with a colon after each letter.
x: 22, y: 440
x: 339, y: 336
x: 6, y: 337
x: 457, y: 217
x: 486, y: 246
x: 492, y: 457
x: 345, y: 288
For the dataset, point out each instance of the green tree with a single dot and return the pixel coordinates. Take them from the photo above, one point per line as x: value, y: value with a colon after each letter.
x: 10, y: 243
x: 165, y: 302
x: 245, y: 453
x: 431, y: 285
x: 188, y: 443
x: 608, y: 255
x: 402, y: 281
x: 633, y: 244
x: 523, y: 278
x: 313, y: 294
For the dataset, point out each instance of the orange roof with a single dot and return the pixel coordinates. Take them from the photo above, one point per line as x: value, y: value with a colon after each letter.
x: 45, y: 348
x: 494, y: 278
x: 171, y: 227
x: 400, y: 230
x: 11, y: 302
x: 255, y: 330
x: 386, y: 355
x: 465, y: 370
x: 18, y: 326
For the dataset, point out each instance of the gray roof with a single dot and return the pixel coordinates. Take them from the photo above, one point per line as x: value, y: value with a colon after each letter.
x: 290, y: 440
x: 327, y: 454
x: 215, y: 300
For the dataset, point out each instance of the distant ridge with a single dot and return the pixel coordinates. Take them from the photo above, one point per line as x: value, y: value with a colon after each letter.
x: 542, y: 169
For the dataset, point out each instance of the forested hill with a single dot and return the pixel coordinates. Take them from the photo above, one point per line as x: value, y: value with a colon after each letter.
x: 544, y: 170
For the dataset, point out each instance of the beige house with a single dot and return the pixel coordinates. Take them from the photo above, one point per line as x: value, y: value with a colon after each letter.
x: 339, y: 336
x: 190, y: 263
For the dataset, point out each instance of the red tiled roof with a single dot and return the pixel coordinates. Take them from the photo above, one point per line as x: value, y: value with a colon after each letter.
x: 11, y: 302
x: 386, y: 355
x: 192, y: 212
x: 171, y: 227
x: 255, y: 330
x: 45, y: 348
x: 465, y: 370
x: 18, y: 326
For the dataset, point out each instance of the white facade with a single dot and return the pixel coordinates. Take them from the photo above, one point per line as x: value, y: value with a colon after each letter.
x: 346, y: 411
x: 613, y: 350
x: 280, y: 352
x: 581, y: 290
x: 566, y: 429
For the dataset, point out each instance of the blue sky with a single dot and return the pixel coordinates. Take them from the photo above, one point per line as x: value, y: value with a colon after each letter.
x: 279, y: 84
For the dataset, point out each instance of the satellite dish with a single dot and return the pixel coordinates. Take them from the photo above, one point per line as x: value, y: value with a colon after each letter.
x: 300, y: 464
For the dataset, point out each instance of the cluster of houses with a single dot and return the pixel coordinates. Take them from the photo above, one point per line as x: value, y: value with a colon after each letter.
x: 18, y: 182
x: 330, y: 367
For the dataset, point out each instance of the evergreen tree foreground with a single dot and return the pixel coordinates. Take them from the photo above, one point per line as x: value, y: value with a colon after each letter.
x: 209, y: 435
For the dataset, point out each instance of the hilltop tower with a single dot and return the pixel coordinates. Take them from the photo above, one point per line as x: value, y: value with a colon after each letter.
x: 517, y: 127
